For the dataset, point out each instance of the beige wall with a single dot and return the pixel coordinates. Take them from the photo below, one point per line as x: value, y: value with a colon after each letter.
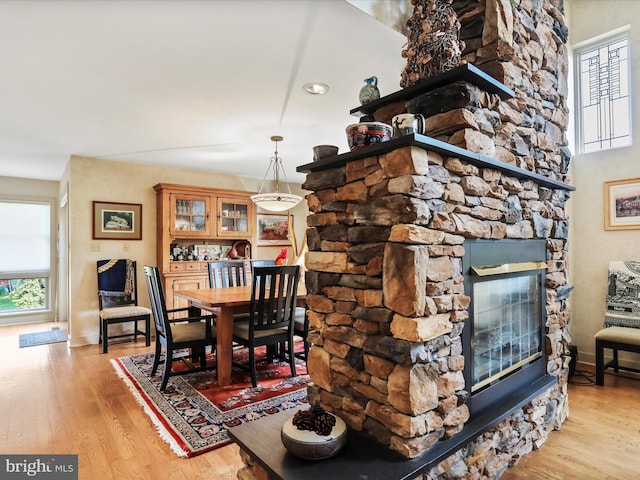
x: 591, y: 246
x: 94, y: 179
x: 24, y: 187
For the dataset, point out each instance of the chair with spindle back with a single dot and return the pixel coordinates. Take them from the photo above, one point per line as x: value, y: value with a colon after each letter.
x: 270, y: 322
x: 222, y: 274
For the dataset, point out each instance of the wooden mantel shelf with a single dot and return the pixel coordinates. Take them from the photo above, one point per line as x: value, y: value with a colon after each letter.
x: 440, y: 147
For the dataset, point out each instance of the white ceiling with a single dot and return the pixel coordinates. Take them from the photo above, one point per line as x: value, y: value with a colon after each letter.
x: 193, y: 84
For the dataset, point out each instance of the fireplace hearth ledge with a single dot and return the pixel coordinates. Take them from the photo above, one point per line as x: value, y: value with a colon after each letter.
x: 363, y: 457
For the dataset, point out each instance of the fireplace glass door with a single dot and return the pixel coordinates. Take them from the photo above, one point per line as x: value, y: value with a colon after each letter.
x: 507, y: 326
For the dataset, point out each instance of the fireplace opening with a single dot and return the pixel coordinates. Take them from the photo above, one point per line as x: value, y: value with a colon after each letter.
x: 503, y: 342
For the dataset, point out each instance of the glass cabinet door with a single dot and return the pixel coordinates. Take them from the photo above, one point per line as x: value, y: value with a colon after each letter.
x: 190, y: 215
x: 233, y: 218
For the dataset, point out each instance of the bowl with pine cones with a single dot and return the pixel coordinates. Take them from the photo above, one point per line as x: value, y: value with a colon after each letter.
x: 314, y: 434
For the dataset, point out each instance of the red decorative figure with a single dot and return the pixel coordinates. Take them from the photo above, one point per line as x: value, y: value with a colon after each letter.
x: 282, y: 257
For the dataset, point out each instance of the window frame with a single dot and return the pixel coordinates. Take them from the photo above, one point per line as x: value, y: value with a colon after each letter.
x: 584, y: 48
x: 48, y: 313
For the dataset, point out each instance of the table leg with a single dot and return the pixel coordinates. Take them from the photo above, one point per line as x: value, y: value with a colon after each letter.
x: 224, y: 325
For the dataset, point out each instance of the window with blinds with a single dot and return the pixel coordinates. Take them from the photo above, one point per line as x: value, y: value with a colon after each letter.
x: 25, y: 256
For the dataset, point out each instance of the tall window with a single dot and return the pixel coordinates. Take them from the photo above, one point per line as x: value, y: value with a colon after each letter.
x: 25, y: 256
x: 604, y: 110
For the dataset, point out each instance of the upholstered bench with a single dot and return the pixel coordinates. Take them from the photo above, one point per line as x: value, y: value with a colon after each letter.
x: 616, y: 338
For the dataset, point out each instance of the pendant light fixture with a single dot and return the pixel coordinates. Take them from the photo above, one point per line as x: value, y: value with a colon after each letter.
x: 276, y: 201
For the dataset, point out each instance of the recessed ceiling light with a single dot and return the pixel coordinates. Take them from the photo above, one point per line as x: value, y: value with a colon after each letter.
x: 316, y: 88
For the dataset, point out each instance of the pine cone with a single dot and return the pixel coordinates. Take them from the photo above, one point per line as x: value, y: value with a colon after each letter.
x: 303, y: 420
x: 323, y: 424
x: 315, y: 419
x: 317, y: 410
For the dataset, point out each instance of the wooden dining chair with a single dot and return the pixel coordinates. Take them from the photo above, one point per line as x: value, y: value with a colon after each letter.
x: 300, y: 322
x: 224, y: 274
x: 118, y: 301
x: 195, y: 332
x: 262, y: 263
x: 274, y: 291
x: 301, y: 329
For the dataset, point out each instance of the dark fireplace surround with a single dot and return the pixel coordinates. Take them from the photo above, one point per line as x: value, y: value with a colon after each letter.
x: 510, y: 342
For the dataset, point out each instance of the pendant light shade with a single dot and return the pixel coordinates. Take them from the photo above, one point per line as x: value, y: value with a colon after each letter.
x: 275, y: 201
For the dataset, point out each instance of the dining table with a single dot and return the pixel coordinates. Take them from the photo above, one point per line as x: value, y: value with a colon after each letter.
x: 225, y: 303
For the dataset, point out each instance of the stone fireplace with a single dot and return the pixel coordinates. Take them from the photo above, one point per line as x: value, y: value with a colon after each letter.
x: 391, y: 302
x: 389, y: 306
x: 417, y: 342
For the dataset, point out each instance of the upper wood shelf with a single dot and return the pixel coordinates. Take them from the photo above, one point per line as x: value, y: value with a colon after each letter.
x: 467, y: 72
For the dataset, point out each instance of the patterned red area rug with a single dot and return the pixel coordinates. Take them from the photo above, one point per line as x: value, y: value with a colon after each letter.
x: 192, y: 414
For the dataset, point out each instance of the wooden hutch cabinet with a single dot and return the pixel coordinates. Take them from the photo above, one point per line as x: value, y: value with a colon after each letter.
x: 188, y: 217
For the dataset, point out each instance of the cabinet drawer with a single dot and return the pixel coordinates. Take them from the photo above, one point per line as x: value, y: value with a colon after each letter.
x: 193, y: 266
x: 187, y: 266
x: 176, y: 267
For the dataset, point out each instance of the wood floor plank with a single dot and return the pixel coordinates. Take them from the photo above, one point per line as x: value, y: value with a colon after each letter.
x: 599, y: 440
x: 61, y: 400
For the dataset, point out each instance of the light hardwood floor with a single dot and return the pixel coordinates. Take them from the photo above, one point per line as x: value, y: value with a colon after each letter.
x: 60, y: 400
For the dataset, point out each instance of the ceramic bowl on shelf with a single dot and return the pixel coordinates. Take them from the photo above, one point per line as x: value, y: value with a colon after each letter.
x: 363, y: 134
x: 309, y: 445
x: 242, y: 248
x: 322, y: 151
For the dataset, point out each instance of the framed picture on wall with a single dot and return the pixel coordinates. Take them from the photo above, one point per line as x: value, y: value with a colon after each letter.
x: 273, y: 229
x: 117, y: 221
x: 622, y: 204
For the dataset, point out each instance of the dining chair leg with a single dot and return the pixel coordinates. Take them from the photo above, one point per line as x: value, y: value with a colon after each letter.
x: 292, y: 357
x: 105, y: 336
x: 147, y: 331
x: 168, y: 362
x: 272, y: 352
x: 281, y: 351
x: 156, y: 359
x: 252, y: 364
